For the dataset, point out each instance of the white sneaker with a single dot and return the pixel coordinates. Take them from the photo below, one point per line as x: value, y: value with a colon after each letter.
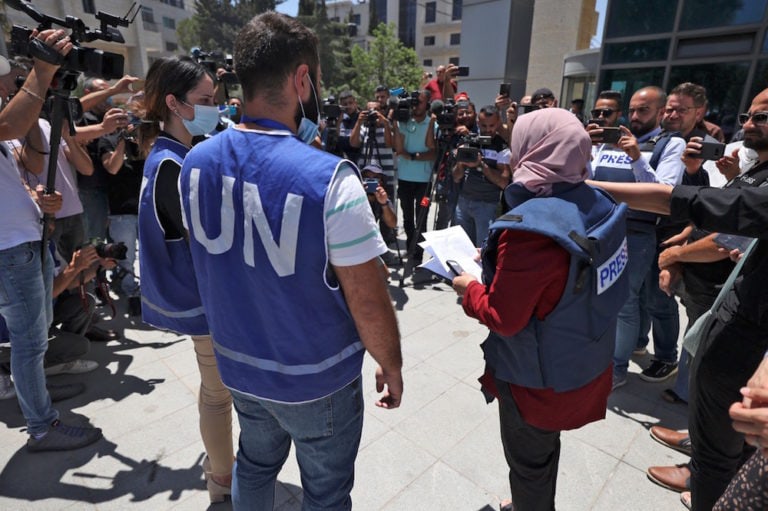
x: 7, y: 391
x: 78, y: 366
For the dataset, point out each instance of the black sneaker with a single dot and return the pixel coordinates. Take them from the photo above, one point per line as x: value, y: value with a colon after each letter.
x: 659, y: 371
x: 62, y: 437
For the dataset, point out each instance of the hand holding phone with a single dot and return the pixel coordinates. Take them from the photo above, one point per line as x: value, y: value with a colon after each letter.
x: 455, y: 267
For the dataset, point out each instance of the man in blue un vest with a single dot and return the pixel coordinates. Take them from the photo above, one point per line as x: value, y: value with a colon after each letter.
x: 285, y: 250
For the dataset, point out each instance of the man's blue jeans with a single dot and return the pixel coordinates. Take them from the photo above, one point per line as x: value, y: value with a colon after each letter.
x: 125, y: 228
x: 27, y: 306
x: 326, y: 434
x: 475, y: 216
x: 641, y: 247
x: 662, y: 313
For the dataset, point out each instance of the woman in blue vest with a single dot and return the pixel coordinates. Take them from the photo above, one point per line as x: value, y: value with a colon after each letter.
x: 180, y: 94
x: 553, y: 284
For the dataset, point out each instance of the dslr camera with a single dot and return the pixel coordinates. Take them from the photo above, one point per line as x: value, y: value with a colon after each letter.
x: 471, y: 147
x: 110, y: 250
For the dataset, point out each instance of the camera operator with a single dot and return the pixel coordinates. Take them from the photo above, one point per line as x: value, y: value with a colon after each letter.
x: 447, y: 190
x: 444, y: 85
x: 482, y: 180
x: 123, y: 159
x: 99, y: 119
x: 26, y: 302
x: 375, y: 137
x: 382, y: 207
x: 350, y: 114
x: 414, y: 142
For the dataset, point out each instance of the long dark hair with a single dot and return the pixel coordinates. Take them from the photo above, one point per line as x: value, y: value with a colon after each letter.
x: 167, y: 75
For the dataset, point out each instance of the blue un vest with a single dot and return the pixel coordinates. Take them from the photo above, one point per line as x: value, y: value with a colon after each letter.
x: 574, y: 343
x: 169, y: 295
x: 254, y: 204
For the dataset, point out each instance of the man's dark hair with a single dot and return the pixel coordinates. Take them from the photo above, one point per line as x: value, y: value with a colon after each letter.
x: 694, y: 91
x: 578, y: 102
x: 489, y: 110
x: 346, y: 94
x: 268, y: 49
x: 381, y: 88
x: 612, y: 95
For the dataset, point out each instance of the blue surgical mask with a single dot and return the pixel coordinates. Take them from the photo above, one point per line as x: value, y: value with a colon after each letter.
x: 205, y: 120
x: 308, y: 128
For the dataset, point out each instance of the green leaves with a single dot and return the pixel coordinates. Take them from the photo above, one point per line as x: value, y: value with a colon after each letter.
x: 386, y: 62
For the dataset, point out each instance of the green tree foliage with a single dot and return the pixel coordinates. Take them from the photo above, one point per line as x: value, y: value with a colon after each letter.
x: 387, y: 62
x: 335, y: 44
x: 216, y: 23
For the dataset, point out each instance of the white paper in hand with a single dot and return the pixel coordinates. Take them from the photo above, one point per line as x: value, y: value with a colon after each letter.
x: 450, y: 244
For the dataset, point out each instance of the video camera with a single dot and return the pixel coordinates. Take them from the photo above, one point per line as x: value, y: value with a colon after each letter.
x: 214, y: 60
x: 445, y: 113
x: 80, y: 59
x: 405, y: 104
x: 331, y: 113
x: 471, y: 147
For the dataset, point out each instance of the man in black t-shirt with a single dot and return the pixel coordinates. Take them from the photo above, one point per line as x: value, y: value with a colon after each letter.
x: 482, y: 180
x: 123, y: 161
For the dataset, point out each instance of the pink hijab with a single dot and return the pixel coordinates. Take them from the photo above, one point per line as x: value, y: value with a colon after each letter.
x: 549, y: 146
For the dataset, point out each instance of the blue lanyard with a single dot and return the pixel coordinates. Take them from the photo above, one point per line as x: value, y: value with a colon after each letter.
x: 267, y: 123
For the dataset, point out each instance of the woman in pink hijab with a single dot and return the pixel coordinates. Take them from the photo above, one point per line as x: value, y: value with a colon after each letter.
x: 553, y: 272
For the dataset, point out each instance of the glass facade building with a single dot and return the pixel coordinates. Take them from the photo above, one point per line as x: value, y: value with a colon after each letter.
x: 720, y: 44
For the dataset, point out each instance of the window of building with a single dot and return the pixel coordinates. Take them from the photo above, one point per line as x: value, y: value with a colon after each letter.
x: 169, y: 23
x: 89, y: 7
x: 431, y: 12
x: 627, y: 81
x: 735, y: 44
x: 355, y: 19
x: 335, y: 19
x: 406, y: 27
x: 378, y: 12
x: 429, y: 40
x: 724, y: 82
x: 456, y: 10
x: 456, y: 38
x: 169, y: 46
x: 173, y: 3
x: 454, y: 61
x: 641, y: 51
x: 147, y: 14
x: 630, y: 17
x: 427, y: 63
x: 716, y: 13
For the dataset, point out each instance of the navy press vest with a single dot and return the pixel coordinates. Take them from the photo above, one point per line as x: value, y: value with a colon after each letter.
x: 254, y: 206
x: 169, y: 294
x: 574, y: 343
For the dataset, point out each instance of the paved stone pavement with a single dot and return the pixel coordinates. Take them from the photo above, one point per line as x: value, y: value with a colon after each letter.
x: 439, y: 451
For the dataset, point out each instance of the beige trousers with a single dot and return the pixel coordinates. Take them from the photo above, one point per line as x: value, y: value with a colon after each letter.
x: 215, y: 406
